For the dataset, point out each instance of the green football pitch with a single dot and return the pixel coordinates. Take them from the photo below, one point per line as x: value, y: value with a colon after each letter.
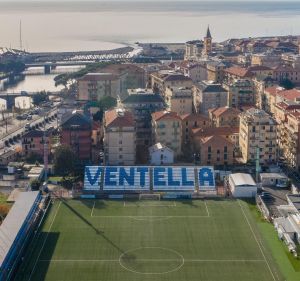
x: 203, y: 240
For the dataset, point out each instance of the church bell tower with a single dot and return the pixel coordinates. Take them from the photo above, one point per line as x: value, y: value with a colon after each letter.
x: 207, y: 43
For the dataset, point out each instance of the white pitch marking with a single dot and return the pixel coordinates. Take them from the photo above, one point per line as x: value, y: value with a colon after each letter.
x: 253, y: 233
x: 208, y: 215
x: 44, y: 242
x: 93, y: 209
x: 155, y: 260
x: 150, y: 216
x: 149, y: 205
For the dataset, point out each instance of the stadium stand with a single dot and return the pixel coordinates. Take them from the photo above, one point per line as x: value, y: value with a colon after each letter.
x: 145, y: 179
x: 16, y: 230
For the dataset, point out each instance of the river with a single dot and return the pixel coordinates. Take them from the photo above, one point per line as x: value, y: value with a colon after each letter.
x: 35, y: 80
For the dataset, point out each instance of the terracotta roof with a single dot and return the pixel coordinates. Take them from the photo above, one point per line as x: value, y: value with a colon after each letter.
x: 98, y: 77
x: 221, y: 131
x: 288, y: 105
x: 224, y: 110
x: 292, y: 95
x: 274, y: 90
x: 123, y: 68
x: 239, y: 71
x: 156, y: 116
x: 259, y: 68
x: 295, y: 114
x: 194, y: 117
x: 118, y: 118
x: 216, y: 140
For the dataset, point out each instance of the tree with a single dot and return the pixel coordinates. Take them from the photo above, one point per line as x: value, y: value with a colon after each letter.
x: 106, y: 103
x: 287, y: 84
x: 35, y: 184
x: 64, y: 161
x: 12, y: 67
x: 40, y: 97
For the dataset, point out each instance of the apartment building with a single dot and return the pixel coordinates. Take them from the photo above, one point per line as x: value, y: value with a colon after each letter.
x: 208, y: 95
x: 119, y: 137
x: 224, y: 117
x: 190, y: 122
x: 167, y: 130
x: 274, y: 95
x: 76, y: 132
x: 142, y: 103
x: 258, y: 136
x: 290, y: 139
x: 169, y: 79
x: 214, y: 150
x: 285, y: 72
x: 33, y: 143
x: 287, y: 118
x: 179, y: 100
x: 94, y: 86
x: 215, y: 71
x: 229, y: 133
x: 241, y: 93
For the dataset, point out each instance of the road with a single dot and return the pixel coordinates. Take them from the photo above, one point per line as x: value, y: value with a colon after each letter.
x: 13, y: 138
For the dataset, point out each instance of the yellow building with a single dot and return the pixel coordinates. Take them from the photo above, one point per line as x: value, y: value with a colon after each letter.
x: 179, y: 100
x: 94, y: 86
x: 224, y: 117
x: 119, y: 137
x: 164, y: 79
x: 258, y: 136
x: 167, y: 130
x: 215, y: 71
x: 287, y: 116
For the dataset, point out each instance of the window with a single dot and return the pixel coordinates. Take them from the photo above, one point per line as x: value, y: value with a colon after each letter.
x: 225, y: 156
x: 120, y: 156
x: 225, y: 149
x: 120, y: 149
x: 120, y: 142
x: 209, y: 149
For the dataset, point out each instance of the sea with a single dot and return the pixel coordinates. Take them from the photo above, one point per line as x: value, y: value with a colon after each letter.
x: 103, y: 25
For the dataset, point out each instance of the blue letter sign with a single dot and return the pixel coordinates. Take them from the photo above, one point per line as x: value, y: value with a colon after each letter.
x: 173, y: 178
x: 92, y: 178
x: 206, y: 178
x: 137, y: 178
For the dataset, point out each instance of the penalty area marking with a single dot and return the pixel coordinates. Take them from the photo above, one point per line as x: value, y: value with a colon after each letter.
x: 158, y: 217
x: 139, y: 204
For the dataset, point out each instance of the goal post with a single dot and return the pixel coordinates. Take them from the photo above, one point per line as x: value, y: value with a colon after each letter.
x: 145, y: 196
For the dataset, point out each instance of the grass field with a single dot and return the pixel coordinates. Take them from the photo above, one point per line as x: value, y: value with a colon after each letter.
x: 205, y: 240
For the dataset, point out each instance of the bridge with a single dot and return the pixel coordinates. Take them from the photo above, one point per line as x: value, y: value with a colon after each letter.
x: 48, y: 66
x: 10, y: 97
x: 51, y: 60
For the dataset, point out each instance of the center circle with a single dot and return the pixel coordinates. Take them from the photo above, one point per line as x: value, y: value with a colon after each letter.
x: 151, y: 260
